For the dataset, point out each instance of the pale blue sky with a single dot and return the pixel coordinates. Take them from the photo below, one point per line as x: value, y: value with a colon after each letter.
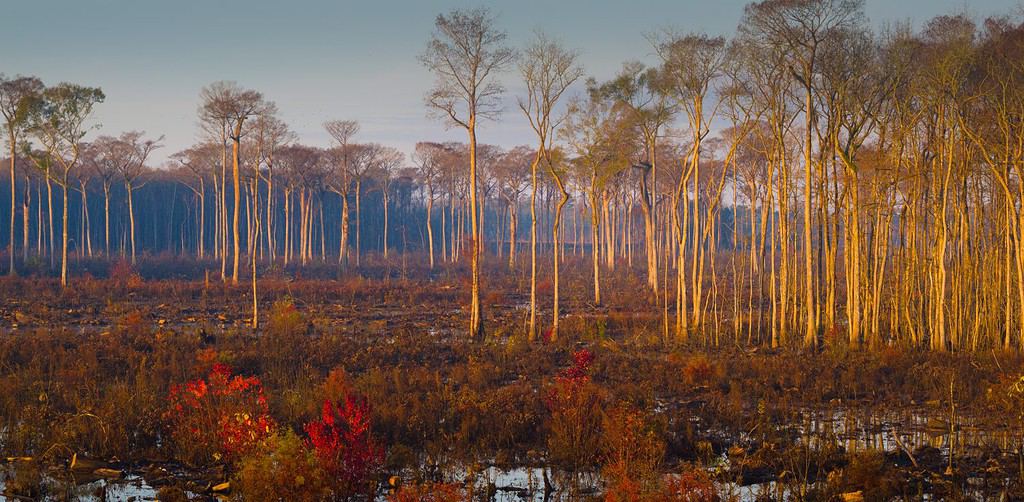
x: 321, y: 60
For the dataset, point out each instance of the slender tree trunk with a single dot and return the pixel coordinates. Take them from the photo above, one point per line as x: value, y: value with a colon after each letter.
x: 343, y: 246
x: 287, y: 224
x: 49, y: 215
x: 430, y: 227
x: 131, y: 217
x: 385, y: 199
x: 64, y: 235
x: 476, y: 325
x: 811, y: 335
x: 236, y: 185
x: 12, y: 271
x: 26, y: 204
x: 513, y: 224
x: 201, y: 247
x: 252, y: 255
x: 557, y: 243
x: 532, y: 332
x: 223, y: 216
x: 359, y: 219
x: 86, y: 226
x: 595, y: 247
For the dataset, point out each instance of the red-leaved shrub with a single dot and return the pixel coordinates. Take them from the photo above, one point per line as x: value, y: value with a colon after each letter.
x: 574, y: 403
x: 221, y: 417
x: 344, y: 444
x: 693, y: 484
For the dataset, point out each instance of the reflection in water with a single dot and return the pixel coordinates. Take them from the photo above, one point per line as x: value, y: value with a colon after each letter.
x: 852, y: 429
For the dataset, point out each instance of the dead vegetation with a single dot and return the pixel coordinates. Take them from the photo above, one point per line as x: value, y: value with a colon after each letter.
x: 87, y: 373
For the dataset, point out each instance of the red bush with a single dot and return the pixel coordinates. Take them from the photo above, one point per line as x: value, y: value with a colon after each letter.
x: 344, y: 444
x: 691, y: 485
x: 222, y: 416
x: 574, y: 427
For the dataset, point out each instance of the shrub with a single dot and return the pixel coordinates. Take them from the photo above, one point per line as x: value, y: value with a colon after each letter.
x: 285, y: 319
x: 222, y: 417
x: 574, y: 403
x: 698, y: 371
x: 344, y: 445
x: 285, y: 347
x: 281, y: 469
x: 430, y: 492
x: 693, y: 484
x: 124, y: 275
x: 631, y: 454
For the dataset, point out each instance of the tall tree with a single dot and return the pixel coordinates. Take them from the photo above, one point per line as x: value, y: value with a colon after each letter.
x: 17, y: 97
x: 200, y: 160
x: 690, y: 65
x: 386, y: 168
x: 136, y: 151
x: 58, y: 121
x: 229, y: 106
x: 341, y: 132
x: 513, y: 174
x: 598, y: 139
x: 465, y: 53
x: 548, y: 70
x: 801, y: 27
x: 271, y: 133
x: 640, y: 92
x: 428, y: 159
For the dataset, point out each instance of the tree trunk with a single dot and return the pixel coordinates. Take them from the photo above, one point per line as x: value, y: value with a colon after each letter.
x: 595, y: 247
x: 532, y: 332
x: 131, y: 217
x: 236, y: 184
x: 385, y: 199
x: 359, y: 219
x: 811, y: 335
x: 12, y: 271
x: 476, y: 325
x: 430, y: 228
x: 64, y: 235
x: 49, y: 215
x: 513, y: 224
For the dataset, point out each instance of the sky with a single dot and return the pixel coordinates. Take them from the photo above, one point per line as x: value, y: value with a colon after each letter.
x: 320, y: 60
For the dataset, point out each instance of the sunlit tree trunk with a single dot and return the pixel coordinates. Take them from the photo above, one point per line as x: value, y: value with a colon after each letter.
x: 429, y: 224
x: 557, y: 243
x: 12, y: 270
x: 131, y: 216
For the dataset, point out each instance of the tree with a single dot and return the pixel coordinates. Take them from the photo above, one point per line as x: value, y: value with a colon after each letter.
x: 428, y: 159
x: 341, y: 132
x: 465, y: 53
x: 598, y: 140
x: 361, y: 161
x: 513, y: 174
x: 640, y: 93
x: 386, y: 166
x: 271, y: 133
x: 690, y: 65
x: 58, y: 121
x: 228, y: 105
x: 801, y: 27
x: 134, y: 152
x: 18, y: 95
x: 200, y: 160
x: 548, y: 70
